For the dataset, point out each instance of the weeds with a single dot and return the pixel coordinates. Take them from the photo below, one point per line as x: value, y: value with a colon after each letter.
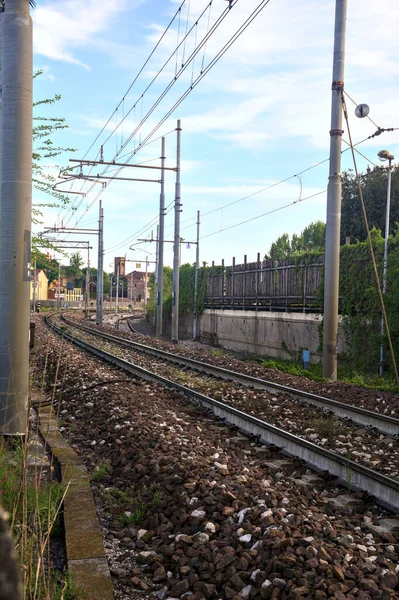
x: 328, y: 428
x: 101, y: 471
x: 132, y: 505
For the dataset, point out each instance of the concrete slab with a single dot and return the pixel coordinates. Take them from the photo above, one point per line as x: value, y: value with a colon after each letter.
x: 87, y: 562
x: 96, y: 587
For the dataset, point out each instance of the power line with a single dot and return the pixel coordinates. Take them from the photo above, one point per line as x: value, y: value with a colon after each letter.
x: 203, y: 73
x: 264, y: 214
x: 137, y: 76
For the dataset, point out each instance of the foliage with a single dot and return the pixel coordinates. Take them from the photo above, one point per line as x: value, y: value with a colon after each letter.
x: 374, y: 186
x: 93, y: 280
x: 45, y: 149
x: 279, y: 249
x: 360, y: 303
x: 48, y: 265
x: 75, y: 268
x: 186, y: 291
x: 33, y: 508
x: 311, y: 239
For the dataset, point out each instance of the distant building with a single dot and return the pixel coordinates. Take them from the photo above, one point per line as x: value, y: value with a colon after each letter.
x: 136, y: 284
x: 68, y: 293
x: 38, y: 283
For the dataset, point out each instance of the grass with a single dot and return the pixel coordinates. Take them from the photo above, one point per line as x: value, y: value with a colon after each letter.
x: 345, y: 373
x: 134, y: 502
x: 34, y: 506
x: 101, y: 471
x: 328, y: 428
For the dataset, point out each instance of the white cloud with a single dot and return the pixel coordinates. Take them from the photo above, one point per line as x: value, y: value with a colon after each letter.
x: 64, y: 28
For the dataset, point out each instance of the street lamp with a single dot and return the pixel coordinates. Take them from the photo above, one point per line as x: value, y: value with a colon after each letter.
x: 385, y: 155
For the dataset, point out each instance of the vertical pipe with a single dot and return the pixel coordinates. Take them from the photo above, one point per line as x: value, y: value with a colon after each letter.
x: 195, y: 328
x: 160, y: 243
x: 244, y: 283
x: 16, y: 214
x: 257, y: 278
x: 334, y: 197
x: 34, y: 287
x: 384, y: 278
x: 176, y: 245
x: 232, y: 280
x: 100, y: 271
x: 117, y: 289
x: 223, y: 282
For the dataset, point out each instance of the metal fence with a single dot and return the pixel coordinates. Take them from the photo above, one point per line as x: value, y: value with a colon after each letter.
x: 291, y: 284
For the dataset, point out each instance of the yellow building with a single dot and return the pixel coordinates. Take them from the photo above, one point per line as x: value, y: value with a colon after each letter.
x: 39, y: 281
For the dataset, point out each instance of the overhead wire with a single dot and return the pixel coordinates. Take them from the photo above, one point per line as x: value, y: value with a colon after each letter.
x: 215, y: 25
x: 210, y: 65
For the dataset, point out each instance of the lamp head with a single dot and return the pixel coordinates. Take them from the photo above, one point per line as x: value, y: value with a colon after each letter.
x: 385, y: 155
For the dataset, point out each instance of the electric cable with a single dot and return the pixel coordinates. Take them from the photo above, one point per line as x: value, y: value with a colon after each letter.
x: 377, y: 277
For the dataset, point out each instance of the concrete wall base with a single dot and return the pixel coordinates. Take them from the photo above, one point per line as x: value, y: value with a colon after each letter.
x: 272, y: 334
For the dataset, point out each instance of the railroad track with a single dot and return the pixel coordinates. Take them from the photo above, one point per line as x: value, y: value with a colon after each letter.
x: 382, y: 487
x: 383, y: 423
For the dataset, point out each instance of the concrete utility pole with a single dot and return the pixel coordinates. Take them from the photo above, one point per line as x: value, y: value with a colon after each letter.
x: 100, y: 270
x: 117, y: 289
x: 34, y: 287
x: 176, y: 245
x: 160, y: 239
x: 88, y: 282
x: 59, y: 288
x: 334, y: 197
x: 195, y: 328
x: 15, y: 214
x: 385, y: 155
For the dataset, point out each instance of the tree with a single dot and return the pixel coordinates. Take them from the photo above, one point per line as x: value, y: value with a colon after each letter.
x: 280, y: 249
x: 75, y: 268
x: 313, y: 237
x: 44, y: 148
x: 374, y: 186
x: 48, y: 265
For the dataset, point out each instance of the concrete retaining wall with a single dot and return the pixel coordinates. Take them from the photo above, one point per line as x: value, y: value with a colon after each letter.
x: 273, y: 334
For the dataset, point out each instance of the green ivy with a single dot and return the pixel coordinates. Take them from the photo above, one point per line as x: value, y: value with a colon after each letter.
x: 186, y: 291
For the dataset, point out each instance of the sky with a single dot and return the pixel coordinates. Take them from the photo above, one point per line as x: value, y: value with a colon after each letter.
x: 259, y: 117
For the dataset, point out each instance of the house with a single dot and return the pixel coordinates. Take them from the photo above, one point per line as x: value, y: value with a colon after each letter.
x: 137, y: 285
x: 38, y: 285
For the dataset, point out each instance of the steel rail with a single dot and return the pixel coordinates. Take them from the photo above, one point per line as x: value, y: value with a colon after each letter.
x: 383, y: 488
x: 383, y: 423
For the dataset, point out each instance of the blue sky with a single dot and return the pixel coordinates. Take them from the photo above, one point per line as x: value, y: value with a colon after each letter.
x: 260, y: 116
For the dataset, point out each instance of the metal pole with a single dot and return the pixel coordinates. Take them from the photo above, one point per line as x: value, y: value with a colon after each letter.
x: 34, y: 287
x: 59, y: 287
x: 195, y: 329
x: 155, y: 315
x: 160, y: 239
x: 110, y: 291
x: 176, y: 245
x: 100, y: 271
x: 384, y: 279
x: 145, y: 284
x: 334, y: 196
x: 117, y: 289
x: 88, y: 282
x: 16, y: 214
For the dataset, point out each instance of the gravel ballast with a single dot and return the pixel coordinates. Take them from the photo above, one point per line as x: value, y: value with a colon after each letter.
x: 192, y: 509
